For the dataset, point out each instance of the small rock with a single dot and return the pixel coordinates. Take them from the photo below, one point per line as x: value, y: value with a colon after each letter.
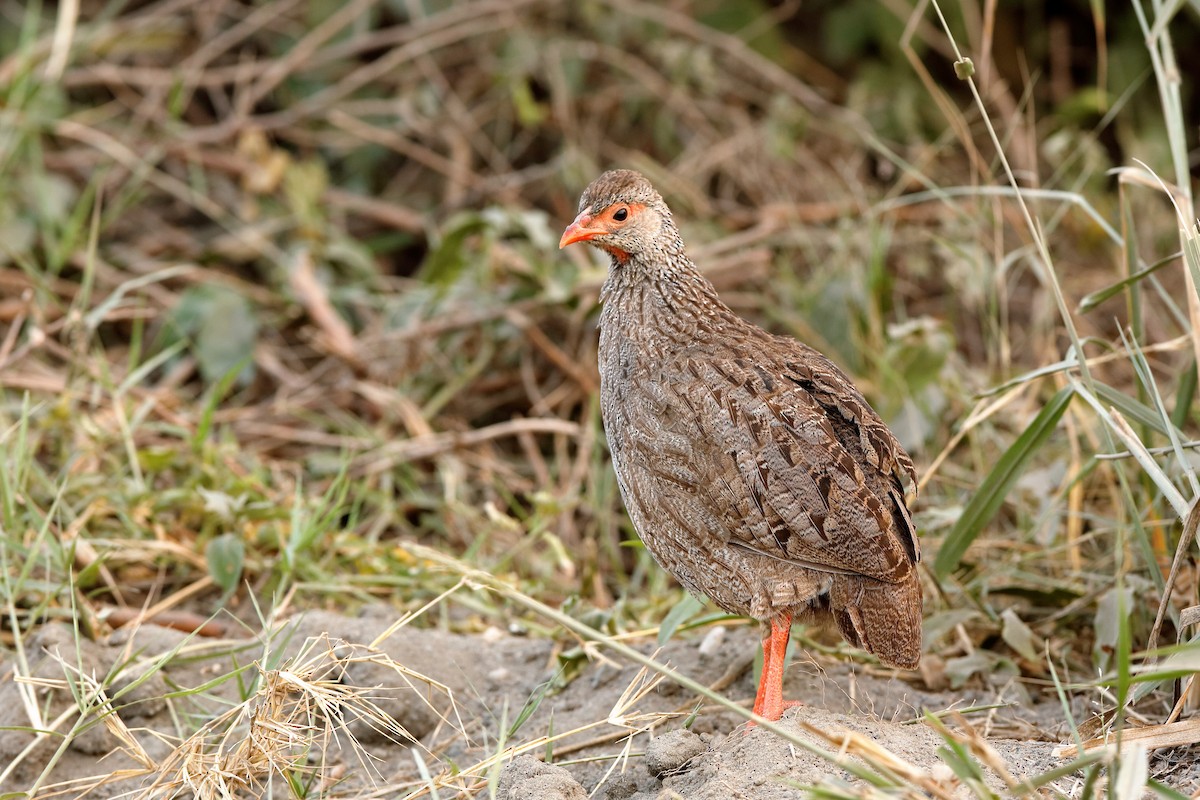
x: 148, y: 638
x: 710, y: 645
x: 132, y: 694
x: 621, y: 787
x: 942, y: 773
x: 412, y: 706
x: 57, y: 656
x: 94, y: 741
x: 670, y: 753
x: 526, y: 778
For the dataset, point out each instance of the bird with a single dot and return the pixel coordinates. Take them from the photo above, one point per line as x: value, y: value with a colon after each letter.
x: 751, y: 467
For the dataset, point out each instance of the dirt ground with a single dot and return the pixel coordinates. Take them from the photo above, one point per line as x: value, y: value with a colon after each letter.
x: 486, y: 682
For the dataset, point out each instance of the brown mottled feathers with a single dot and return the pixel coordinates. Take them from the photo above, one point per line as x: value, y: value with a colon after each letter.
x: 752, y: 468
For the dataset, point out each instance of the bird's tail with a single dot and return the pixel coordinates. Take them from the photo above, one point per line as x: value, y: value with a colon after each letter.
x: 881, y: 618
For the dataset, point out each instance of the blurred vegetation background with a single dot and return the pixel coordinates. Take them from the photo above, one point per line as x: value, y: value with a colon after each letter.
x: 279, y: 291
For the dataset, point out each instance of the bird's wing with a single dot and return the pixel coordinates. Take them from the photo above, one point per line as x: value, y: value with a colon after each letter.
x: 795, y: 463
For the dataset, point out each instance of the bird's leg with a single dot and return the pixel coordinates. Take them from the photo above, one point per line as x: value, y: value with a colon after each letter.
x: 768, y: 702
x: 768, y: 645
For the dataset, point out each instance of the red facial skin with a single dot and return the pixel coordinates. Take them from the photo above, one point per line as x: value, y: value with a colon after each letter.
x: 587, y: 227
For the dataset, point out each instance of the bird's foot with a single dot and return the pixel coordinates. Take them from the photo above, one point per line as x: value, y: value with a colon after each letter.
x: 773, y: 714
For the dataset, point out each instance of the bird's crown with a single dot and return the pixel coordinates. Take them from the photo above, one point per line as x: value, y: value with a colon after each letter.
x: 619, y: 186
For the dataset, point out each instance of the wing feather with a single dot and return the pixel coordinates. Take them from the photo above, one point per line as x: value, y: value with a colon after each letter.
x: 794, y: 463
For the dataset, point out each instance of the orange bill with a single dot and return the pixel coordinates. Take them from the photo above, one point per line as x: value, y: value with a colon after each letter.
x: 583, y: 228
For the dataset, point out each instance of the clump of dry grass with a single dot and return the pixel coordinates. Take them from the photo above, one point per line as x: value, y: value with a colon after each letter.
x: 286, y: 732
x: 295, y: 723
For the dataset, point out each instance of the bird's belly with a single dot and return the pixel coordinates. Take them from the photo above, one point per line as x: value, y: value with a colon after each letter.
x: 668, y: 490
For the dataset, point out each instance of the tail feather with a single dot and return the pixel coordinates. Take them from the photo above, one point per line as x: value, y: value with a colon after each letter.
x: 881, y: 618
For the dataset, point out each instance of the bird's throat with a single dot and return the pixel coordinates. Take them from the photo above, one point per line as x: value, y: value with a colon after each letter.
x: 620, y: 257
x: 665, y: 300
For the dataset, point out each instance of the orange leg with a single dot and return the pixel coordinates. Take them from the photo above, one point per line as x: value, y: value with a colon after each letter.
x: 768, y: 702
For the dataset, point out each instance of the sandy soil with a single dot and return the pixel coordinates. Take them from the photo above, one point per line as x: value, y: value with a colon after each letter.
x: 487, y: 681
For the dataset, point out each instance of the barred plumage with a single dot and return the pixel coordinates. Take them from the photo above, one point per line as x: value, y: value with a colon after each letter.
x: 752, y: 468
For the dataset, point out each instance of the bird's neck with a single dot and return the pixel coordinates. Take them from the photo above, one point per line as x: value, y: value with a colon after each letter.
x: 664, y: 296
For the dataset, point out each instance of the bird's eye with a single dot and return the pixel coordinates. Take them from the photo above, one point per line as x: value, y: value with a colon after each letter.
x: 621, y: 214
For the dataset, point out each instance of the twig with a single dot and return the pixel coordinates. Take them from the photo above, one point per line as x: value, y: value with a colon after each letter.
x: 393, y: 453
x: 312, y: 295
x: 1181, y: 550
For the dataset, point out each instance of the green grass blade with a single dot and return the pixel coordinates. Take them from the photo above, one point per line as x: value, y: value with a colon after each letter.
x: 215, y: 395
x: 995, y: 487
x: 1094, y: 299
x: 1133, y: 409
x: 1162, y: 790
x: 531, y: 705
x: 1185, y: 392
x: 1062, y: 771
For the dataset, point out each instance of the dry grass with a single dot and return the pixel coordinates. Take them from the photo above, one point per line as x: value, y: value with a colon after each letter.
x: 285, y: 730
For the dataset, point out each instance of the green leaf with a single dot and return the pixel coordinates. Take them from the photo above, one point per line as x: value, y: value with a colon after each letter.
x: 530, y: 113
x: 447, y: 261
x: 981, y: 662
x: 304, y: 185
x: 226, y: 555
x: 1018, y: 636
x: 221, y: 328
x: 226, y: 337
x: 940, y: 623
x: 684, y: 610
x: 995, y: 487
x: 1181, y: 661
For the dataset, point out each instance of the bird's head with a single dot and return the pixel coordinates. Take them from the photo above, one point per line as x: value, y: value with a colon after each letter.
x: 621, y: 214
